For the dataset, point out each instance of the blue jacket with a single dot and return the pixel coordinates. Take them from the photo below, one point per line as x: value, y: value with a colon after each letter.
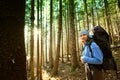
x: 96, y: 53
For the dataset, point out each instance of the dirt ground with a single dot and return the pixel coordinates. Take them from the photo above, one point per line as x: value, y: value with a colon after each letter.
x: 79, y: 74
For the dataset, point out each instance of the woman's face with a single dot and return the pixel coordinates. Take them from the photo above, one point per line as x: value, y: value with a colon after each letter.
x: 84, y: 38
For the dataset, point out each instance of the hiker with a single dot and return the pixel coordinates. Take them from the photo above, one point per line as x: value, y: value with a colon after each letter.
x: 92, y: 72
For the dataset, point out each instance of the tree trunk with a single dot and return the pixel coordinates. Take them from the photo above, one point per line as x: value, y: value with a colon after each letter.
x: 38, y: 26
x: 32, y: 41
x: 50, y: 49
x: 12, y: 46
x: 46, y: 48
x: 56, y: 63
x: 107, y: 17
x: 41, y: 54
x: 62, y: 57
x: 98, y: 20
x: 67, y: 29
x: 118, y: 23
x: 92, y: 13
x: 86, y: 14
x: 72, y: 46
x: 104, y: 22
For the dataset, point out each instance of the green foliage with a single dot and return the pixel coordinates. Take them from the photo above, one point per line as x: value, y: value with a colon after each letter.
x: 27, y: 12
x: 79, y: 8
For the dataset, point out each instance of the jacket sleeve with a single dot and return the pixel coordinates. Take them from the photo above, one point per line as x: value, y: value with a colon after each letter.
x: 97, y: 55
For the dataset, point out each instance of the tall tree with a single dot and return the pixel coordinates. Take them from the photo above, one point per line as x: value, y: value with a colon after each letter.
x: 38, y: 54
x: 117, y: 20
x: 41, y: 54
x: 67, y: 27
x: 92, y: 13
x: 62, y: 46
x: 32, y: 41
x: 72, y: 46
x: 56, y: 63
x: 107, y: 16
x: 86, y: 14
x: 103, y: 15
x: 12, y: 47
x: 50, y: 49
x: 46, y: 44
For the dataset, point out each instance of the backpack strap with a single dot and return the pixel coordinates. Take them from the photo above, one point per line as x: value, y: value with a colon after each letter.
x: 91, y: 53
x: 89, y: 44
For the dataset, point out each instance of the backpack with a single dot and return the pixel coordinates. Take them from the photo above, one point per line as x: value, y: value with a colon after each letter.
x: 101, y: 38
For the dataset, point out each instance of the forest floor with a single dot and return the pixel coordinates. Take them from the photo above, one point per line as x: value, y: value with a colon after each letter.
x: 64, y: 72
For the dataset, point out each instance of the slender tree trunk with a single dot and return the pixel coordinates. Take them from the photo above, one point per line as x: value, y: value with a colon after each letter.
x: 92, y: 13
x: 72, y: 45
x: 62, y: 47
x: 111, y: 31
x: 50, y: 50
x: 98, y: 20
x: 27, y: 50
x: 118, y: 23
x: 104, y: 22
x: 32, y: 41
x: 77, y: 33
x: 12, y: 46
x: 68, y: 41
x: 41, y: 55
x: 96, y: 10
x: 86, y: 14
x: 107, y: 16
x: 46, y: 40
x: 38, y: 40
x: 83, y: 22
x: 68, y: 30
x: 56, y: 63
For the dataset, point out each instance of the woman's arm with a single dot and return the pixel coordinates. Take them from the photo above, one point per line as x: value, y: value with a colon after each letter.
x: 97, y: 57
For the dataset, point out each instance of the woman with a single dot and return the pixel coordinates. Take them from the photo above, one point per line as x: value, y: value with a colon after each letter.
x: 91, y: 57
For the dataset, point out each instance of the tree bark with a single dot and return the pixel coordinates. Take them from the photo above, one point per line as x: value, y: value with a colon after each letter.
x: 86, y: 15
x: 50, y: 49
x: 32, y: 41
x: 107, y: 18
x: 72, y: 46
x: 12, y: 46
x: 42, y: 47
x: 56, y: 63
x: 38, y: 51
x: 92, y: 13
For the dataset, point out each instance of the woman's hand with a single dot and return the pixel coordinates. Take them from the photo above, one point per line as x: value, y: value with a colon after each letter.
x: 82, y: 60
